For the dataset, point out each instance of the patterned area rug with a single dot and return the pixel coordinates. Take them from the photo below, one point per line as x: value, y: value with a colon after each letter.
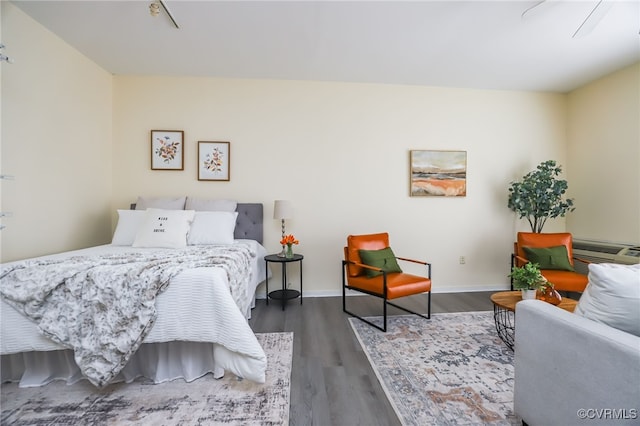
x: 204, y: 401
x: 450, y: 370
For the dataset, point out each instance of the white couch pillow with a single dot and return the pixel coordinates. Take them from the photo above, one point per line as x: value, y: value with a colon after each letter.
x: 212, y: 228
x: 167, y: 203
x: 211, y: 205
x: 129, y: 222
x: 612, y: 296
x: 164, y: 228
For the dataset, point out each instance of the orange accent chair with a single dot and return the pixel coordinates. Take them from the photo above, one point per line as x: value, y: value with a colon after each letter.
x: 386, y: 285
x: 562, y: 279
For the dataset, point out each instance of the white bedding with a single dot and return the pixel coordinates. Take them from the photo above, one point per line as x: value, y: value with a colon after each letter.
x: 196, y: 307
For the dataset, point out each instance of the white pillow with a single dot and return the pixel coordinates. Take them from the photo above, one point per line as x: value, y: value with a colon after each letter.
x: 164, y: 228
x: 173, y: 203
x: 129, y: 222
x: 212, y: 228
x: 203, y: 204
x: 612, y: 296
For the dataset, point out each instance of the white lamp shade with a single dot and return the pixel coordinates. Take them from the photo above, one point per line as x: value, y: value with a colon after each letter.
x: 282, y: 209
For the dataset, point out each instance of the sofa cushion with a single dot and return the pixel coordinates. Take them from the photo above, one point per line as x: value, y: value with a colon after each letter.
x: 612, y: 296
x: 549, y: 257
x: 574, y: 364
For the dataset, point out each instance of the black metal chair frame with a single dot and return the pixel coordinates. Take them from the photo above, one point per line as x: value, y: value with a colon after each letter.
x: 383, y: 296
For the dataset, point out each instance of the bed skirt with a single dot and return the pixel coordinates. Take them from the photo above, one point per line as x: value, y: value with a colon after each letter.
x: 155, y: 362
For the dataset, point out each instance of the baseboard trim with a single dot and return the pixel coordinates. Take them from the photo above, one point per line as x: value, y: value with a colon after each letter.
x: 338, y: 293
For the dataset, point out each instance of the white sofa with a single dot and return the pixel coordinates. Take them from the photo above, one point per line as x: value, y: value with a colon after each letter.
x: 570, y: 370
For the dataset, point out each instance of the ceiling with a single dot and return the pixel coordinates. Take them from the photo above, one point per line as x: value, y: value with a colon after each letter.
x: 469, y: 44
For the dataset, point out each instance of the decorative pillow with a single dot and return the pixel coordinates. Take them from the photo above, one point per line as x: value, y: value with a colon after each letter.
x: 164, y: 228
x: 203, y: 204
x: 129, y: 222
x: 212, y: 228
x: 383, y: 259
x: 612, y: 296
x: 555, y: 257
x: 173, y: 203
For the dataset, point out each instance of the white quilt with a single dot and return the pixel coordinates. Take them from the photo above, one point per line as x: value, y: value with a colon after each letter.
x: 197, y: 306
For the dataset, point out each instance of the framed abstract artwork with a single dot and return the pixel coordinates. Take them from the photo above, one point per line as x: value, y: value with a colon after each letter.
x: 214, y: 160
x: 167, y: 150
x: 438, y: 173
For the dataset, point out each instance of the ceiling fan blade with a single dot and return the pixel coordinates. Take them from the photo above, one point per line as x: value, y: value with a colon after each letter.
x: 593, y: 18
x: 166, y: 9
x: 541, y: 7
x: 527, y: 12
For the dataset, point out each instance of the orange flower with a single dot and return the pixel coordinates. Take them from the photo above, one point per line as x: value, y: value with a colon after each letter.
x: 288, y: 240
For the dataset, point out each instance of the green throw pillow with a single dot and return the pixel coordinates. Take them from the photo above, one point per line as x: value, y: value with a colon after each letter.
x: 549, y: 257
x: 383, y: 259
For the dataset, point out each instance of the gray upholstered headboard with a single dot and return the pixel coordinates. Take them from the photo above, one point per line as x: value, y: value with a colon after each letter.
x: 250, y: 222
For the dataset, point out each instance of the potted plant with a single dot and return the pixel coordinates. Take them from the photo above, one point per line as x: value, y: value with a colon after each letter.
x: 539, y: 195
x: 527, y: 279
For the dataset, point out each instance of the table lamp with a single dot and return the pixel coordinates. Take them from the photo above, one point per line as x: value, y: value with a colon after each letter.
x: 282, y: 209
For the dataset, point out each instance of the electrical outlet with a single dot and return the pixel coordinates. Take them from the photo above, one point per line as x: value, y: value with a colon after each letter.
x: 462, y: 260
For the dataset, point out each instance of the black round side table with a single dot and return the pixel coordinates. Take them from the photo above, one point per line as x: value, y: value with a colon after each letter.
x: 284, y: 294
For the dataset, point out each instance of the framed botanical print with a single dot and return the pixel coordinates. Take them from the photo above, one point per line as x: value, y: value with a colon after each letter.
x: 214, y: 160
x: 438, y: 173
x: 167, y: 150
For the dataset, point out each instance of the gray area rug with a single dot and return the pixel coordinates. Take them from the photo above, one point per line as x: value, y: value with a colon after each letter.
x: 204, y: 401
x: 450, y: 370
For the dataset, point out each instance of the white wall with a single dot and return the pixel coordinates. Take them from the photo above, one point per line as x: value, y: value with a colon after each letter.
x: 604, y: 158
x: 56, y: 141
x: 340, y: 153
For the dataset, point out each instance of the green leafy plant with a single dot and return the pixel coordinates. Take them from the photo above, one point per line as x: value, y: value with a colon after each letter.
x: 539, y: 195
x: 527, y: 277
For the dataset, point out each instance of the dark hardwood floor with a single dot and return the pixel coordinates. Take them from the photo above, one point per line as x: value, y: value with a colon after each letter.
x: 332, y: 382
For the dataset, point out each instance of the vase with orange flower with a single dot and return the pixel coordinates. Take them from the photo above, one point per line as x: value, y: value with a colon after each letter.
x: 289, y: 241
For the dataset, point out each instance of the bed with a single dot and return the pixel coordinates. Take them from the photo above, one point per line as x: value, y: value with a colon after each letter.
x: 201, y: 322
